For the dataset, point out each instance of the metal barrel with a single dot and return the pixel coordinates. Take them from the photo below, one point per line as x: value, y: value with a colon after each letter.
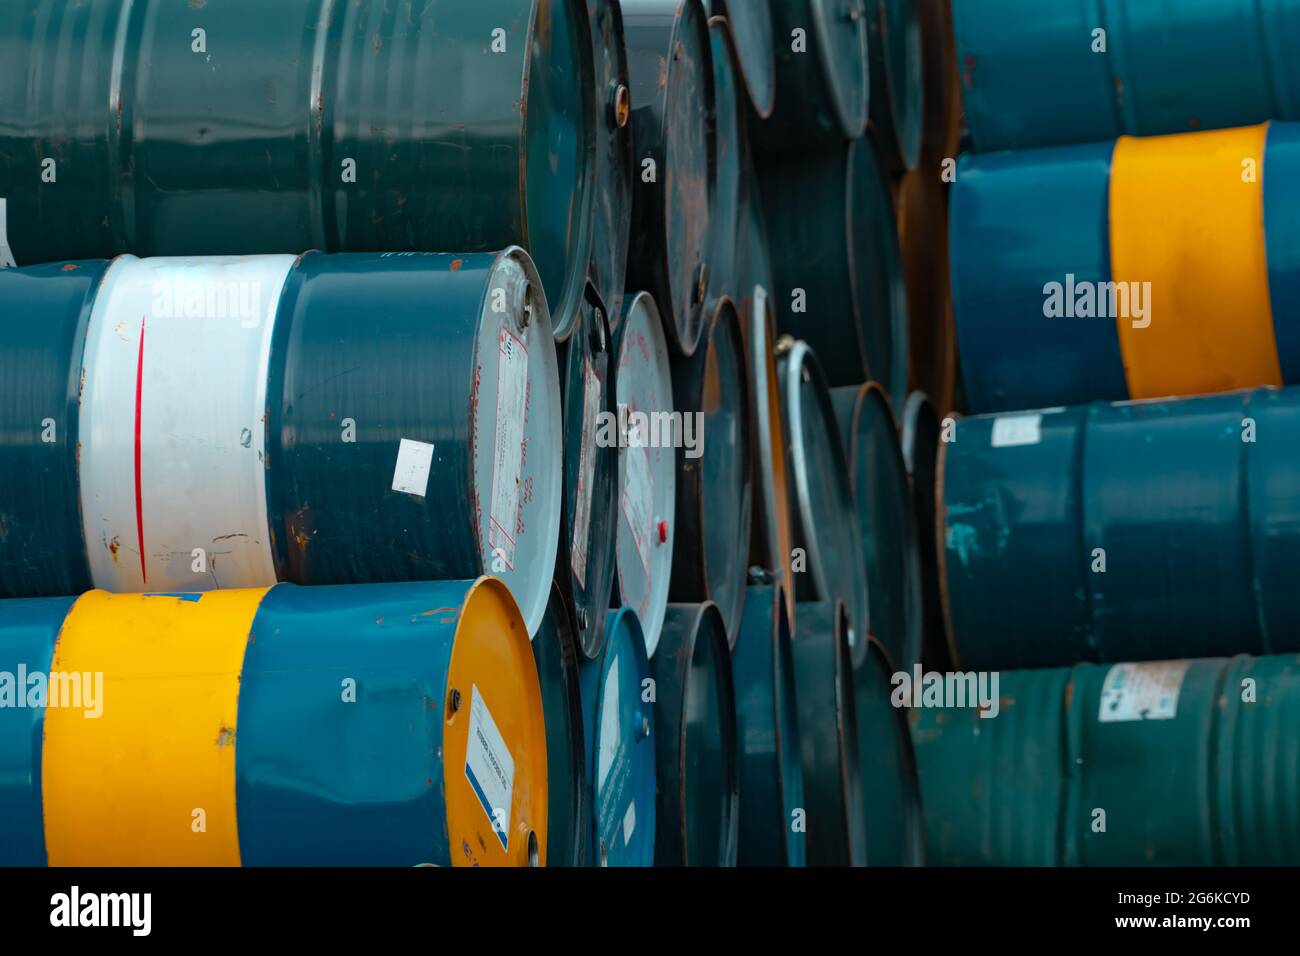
x: 822, y: 77
x: 383, y: 725
x: 1096, y: 303
x: 840, y: 290
x: 751, y: 26
x: 619, y: 717
x: 555, y: 648
x: 828, y: 734
x: 1111, y: 67
x: 671, y: 66
x: 647, y: 471
x: 827, y: 559
x: 752, y: 258
x: 1175, y: 763
x: 883, y: 504
x: 373, y: 127
x: 714, y: 471
x: 47, y: 311
x: 731, y: 136
x: 771, y: 532
x: 324, y: 449
x: 695, y: 749
x: 923, y: 244
x: 891, y: 795
x: 1066, y: 515
x: 898, y: 91
x: 614, y: 170
x: 769, y: 749
x: 921, y: 433
x: 585, y: 562
x: 941, y: 77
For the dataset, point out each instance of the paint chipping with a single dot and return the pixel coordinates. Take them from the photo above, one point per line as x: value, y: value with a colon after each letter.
x: 226, y: 738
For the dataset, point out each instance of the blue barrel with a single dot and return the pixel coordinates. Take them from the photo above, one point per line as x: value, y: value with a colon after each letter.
x: 835, y: 822
x: 695, y: 750
x: 1039, y: 74
x: 897, y: 87
x: 751, y: 25
x: 731, y: 133
x: 555, y: 648
x: 714, y: 471
x: 613, y: 172
x: 1169, y: 763
x: 618, y: 713
x: 767, y: 734
x: 585, y: 562
x: 921, y: 433
x: 47, y: 310
x: 1133, y: 531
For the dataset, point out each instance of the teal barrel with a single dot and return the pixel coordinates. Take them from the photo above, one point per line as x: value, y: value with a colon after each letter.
x: 1174, y: 763
x: 555, y: 648
x: 584, y: 564
x: 751, y: 25
x: 731, y: 135
x: 612, y: 229
x: 828, y: 731
x: 670, y: 63
x: 695, y: 749
x: 1133, y: 531
x: 837, y: 267
x: 46, y: 310
x: 891, y: 796
x: 239, y: 127
x: 822, y: 77
x: 921, y: 432
x: 769, y: 757
x: 827, y: 560
x: 897, y: 82
x: 883, y: 504
x: 619, y: 723
x: 715, y: 473
x: 1106, y: 67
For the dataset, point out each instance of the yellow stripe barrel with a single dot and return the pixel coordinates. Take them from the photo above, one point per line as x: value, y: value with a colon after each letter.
x: 1143, y: 268
x: 382, y: 725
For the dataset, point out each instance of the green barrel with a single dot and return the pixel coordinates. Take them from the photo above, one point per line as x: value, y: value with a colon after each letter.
x: 767, y: 734
x: 822, y: 78
x: 751, y: 25
x: 46, y: 311
x: 695, y: 730
x: 670, y: 63
x: 897, y: 82
x: 244, y: 127
x: 614, y: 167
x: 715, y: 474
x: 891, y: 795
x: 883, y: 503
x: 838, y: 271
x: 828, y: 734
x: 828, y: 550
x: 555, y: 648
x: 1129, y: 531
x: 921, y: 434
x: 584, y: 564
x: 1173, y: 763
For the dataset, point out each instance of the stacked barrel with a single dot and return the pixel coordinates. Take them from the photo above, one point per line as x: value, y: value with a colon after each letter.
x: 1117, y: 515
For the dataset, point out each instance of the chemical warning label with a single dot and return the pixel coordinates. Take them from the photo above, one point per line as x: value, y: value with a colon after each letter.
x: 508, y: 454
x: 1012, y: 430
x: 411, y: 474
x: 586, y: 473
x: 489, y: 767
x: 1142, y: 691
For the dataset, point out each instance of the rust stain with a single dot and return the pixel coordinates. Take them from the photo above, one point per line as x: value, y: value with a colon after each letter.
x: 438, y: 610
x: 226, y: 738
x: 300, y: 539
x: 456, y: 264
x: 663, y: 72
x: 70, y: 267
x: 114, y: 547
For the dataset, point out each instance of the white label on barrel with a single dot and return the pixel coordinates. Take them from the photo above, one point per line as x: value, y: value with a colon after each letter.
x: 1142, y: 691
x: 414, y: 459
x: 1012, y: 430
x: 629, y: 823
x: 508, y: 456
x: 586, y: 473
x: 489, y: 767
x: 6, y: 254
x: 638, y: 501
x: 609, y: 733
